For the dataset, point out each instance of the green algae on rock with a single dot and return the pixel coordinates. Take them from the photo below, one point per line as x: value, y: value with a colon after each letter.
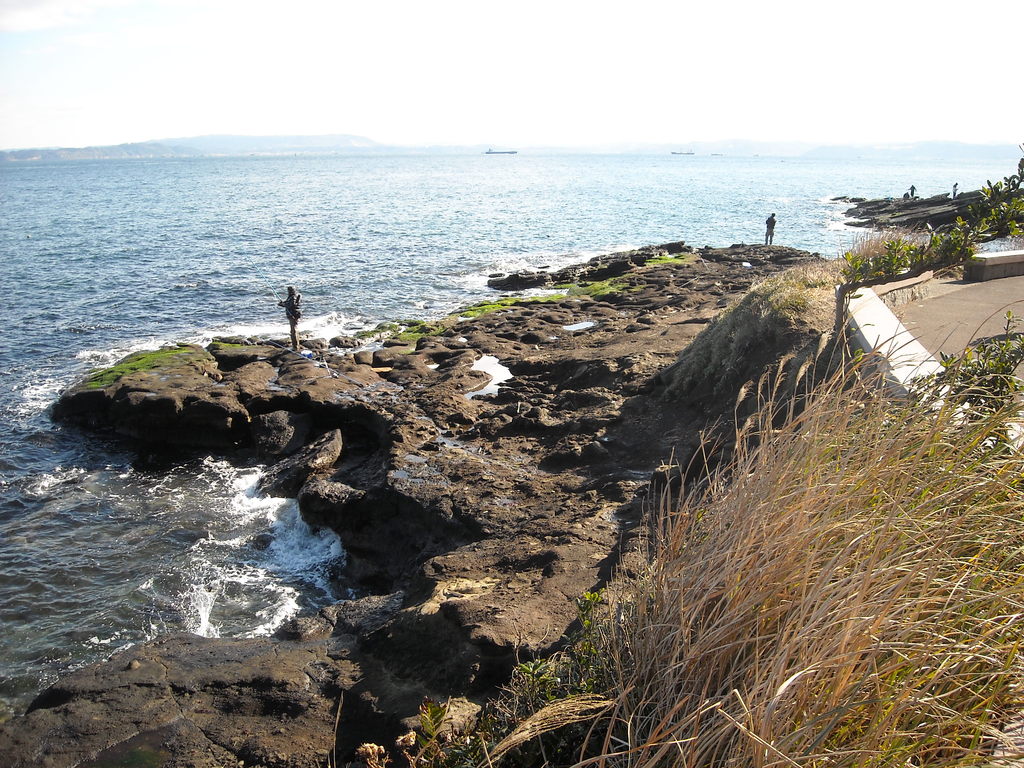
x: 166, y: 357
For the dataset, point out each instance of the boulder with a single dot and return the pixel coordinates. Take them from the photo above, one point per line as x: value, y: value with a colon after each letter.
x: 322, y: 502
x: 171, y: 396
x: 280, y: 433
x: 285, y: 478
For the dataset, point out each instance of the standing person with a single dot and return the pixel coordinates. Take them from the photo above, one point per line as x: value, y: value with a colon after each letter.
x: 769, y: 230
x: 293, y: 313
x: 913, y: 191
x: 955, y: 188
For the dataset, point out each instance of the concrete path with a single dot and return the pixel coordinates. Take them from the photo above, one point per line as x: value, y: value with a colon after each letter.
x: 955, y: 313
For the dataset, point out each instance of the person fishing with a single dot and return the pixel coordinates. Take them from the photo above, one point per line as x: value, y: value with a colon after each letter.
x: 293, y: 313
x: 769, y: 230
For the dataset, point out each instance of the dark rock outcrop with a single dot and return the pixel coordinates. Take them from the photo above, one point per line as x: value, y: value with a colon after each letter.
x: 911, y: 213
x: 280, y: 433
x: 287, y: 476
x: 598, y: 268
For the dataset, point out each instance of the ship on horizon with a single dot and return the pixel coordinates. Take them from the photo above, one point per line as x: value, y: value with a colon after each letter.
x: 682, y: 153
x: 502, y: 152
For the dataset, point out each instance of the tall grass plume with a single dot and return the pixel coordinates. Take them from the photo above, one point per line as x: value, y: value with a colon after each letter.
x: 848, y: 593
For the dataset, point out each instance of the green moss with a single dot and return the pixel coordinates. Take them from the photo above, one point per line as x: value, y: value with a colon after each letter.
x: 139, y: 361
x: 485, y: 307
x: 382, y: 329
x: 417, y: 329
x: 600, y: 288
x: 225, y: 345
x: 682, y: 258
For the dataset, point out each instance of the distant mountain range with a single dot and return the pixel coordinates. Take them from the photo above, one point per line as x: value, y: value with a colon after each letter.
x: 228, y: 145
x: 198, y: 146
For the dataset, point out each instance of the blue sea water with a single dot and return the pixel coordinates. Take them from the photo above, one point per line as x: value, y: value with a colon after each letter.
x: 101, y: 547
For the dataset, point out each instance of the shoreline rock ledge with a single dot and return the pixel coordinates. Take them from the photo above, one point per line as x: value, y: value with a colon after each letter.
x: 913, y: 213
x: 471, y: 522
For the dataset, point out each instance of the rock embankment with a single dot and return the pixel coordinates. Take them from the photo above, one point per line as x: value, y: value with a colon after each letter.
x: 471, y: 521
x: 910, y: 213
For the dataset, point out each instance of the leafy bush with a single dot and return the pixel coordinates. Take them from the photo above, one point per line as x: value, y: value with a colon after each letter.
x: 980, y: 381
x: 1000, y: 213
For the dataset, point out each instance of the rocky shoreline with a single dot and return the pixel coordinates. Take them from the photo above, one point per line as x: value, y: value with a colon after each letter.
x: 911, y: 213
x: 471, y: 521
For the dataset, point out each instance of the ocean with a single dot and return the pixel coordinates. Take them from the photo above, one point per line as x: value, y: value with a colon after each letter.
x: 103, y: 545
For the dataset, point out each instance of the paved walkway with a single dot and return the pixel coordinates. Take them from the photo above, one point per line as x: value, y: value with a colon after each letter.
x: 955, y: 313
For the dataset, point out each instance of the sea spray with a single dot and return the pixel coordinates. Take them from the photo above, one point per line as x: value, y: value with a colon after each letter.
x: 259, y: 562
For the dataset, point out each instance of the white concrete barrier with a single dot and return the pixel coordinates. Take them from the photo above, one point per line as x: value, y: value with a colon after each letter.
x: 876, y: 330
x: 989, y: 266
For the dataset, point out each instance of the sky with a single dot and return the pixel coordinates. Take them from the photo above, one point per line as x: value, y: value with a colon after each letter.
x: 513, y: 74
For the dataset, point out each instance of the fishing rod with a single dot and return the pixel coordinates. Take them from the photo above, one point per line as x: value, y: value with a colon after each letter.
x: 263, y: 276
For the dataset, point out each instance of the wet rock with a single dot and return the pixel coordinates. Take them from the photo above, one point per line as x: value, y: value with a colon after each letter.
x: 185, y: 700
x: 232, y: 355
x: 322, y: 501
x: 936, y: 212
x: 365, y: 615
x: 314, y: 345
x: 384, y: 358
x: 168, y: 397
x: 344, y: 342
x: 287, y: 476
x: 280, y: 433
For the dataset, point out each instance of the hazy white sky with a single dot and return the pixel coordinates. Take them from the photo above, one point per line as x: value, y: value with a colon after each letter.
x: 549, y: 72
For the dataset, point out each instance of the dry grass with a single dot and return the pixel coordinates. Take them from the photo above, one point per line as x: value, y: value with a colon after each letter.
x: 850, y: 594
x: 792, y: 311
x: 871, y: 244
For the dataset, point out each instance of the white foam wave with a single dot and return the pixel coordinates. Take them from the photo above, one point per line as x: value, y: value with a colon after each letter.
x: 104, y: 358
x: 275, y: 614
x: 36, y: 397
x: 198, y: 604
x: 41, y: 486
x: 325, y: 326
x: 232, y: 589
x: 237, y: 573
x: 302, y: 552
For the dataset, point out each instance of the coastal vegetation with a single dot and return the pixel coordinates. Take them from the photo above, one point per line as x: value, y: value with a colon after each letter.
x: 846, y: 592
x: 999, y: 213
x: 783, y: 311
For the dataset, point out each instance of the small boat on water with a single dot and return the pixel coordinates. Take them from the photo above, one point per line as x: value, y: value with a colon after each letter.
x: 502, y: 152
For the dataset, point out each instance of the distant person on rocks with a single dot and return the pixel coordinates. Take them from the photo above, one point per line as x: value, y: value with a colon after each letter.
x: 913, y: 191
x: 293, y: 313
x: 955, y: 188
x: 769, y: 230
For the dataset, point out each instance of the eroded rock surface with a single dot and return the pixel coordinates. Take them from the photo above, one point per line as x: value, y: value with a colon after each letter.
x: 911, y: 213
x: 471, y: 523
